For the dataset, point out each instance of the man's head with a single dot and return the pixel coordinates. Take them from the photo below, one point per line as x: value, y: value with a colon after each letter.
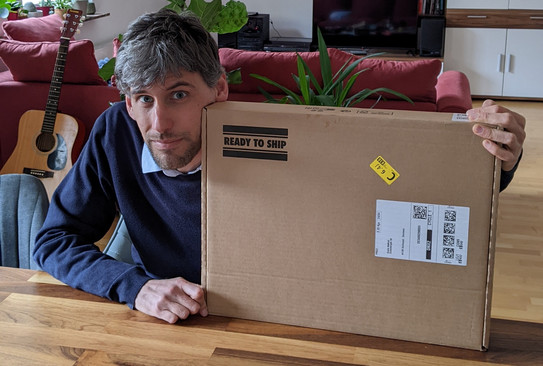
x: 168, y: 67
x: 159, y: 44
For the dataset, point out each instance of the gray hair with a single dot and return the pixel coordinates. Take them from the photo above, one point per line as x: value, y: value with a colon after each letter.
x: 165, y: 43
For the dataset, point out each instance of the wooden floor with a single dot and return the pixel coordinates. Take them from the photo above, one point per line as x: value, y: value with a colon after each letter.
x: 518, y: 279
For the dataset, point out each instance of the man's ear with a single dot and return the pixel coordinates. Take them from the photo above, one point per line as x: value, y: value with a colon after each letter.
x: 222, y: 89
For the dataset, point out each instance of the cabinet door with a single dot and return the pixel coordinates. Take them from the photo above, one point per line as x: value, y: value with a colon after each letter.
x: 478, y: 4
x: 523, y: 76
x: 526, y: 4
x: 480, y: 54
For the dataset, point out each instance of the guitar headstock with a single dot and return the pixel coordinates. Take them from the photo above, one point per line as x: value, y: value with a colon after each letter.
x: 73, y: 19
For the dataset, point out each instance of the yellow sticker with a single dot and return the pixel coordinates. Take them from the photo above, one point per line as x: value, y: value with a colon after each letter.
x: 384, y: 170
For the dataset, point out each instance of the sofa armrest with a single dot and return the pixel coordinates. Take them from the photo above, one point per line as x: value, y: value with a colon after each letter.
x: 453, y: 92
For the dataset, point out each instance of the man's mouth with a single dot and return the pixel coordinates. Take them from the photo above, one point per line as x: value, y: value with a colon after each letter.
x: 166, y: 144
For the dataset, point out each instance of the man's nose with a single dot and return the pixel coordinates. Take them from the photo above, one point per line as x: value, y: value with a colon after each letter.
x: 162, y: 118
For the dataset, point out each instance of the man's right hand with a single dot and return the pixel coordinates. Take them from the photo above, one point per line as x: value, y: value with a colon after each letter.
x: 171, y: 299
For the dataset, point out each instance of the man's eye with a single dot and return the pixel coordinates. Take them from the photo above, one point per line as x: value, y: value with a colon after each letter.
x: 179, y: 95
x: 145, y: 99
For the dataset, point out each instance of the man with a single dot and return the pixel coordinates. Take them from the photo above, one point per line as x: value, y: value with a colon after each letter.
x: 143, y: 159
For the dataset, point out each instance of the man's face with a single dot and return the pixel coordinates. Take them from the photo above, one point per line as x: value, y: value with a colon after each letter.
x: 169, y: 117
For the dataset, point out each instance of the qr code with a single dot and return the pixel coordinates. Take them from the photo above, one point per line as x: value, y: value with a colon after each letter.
x: 450, y: 215
x: 420, y: 212
x: 448, y: 240
x: 449, y: 228
x: 448, y: 253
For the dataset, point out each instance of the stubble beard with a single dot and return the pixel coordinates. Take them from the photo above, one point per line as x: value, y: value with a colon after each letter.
x: 172, y: 160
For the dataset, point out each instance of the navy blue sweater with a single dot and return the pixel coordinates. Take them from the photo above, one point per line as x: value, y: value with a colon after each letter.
x: 162, y: 215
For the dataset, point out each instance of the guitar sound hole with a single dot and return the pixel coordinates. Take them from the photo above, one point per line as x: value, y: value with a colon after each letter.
x: 45, y: 142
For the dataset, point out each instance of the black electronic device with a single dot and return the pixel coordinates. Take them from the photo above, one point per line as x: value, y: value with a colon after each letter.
x: 359, y: 24
x: 255, y: 33
x: 431, y: 36
x: 288, y: 44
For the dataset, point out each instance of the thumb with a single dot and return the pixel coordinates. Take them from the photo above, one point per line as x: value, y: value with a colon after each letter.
x: 488, y: 103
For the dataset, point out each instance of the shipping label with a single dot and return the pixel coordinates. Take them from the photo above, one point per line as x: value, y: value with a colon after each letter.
x: 422, y: 232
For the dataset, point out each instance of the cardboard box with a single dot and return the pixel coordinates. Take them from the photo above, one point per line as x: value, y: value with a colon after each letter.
x: 374, y: 222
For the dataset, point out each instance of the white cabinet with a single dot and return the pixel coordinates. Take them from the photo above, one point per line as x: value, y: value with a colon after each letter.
x: 475, y: 52
x: 498, y: 44
x: 495, y: 4
x: 523, y: 76
x: 526, y: 4
x: 497, y: 62
x: 477, y: 4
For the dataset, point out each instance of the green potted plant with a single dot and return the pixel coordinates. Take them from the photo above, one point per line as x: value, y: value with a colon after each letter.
x: 10, y: 9
x: 61, y: 6
x: 335, y: 89
x: 5, y: 8
x: 215, y: 16
x: 46, y: 6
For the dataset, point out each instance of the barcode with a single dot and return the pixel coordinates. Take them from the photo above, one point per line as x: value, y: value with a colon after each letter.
x: 450, y: 215
x: 448, y: 253
x: 448, y: 240
x: 420, y: 212
x: 449, y: 228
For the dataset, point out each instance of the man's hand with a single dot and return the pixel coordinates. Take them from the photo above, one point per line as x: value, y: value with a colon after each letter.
x: 171, y: 299
x: 504, y: 143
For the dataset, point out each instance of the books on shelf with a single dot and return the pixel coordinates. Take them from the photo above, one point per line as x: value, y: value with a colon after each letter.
x: 431, y: 7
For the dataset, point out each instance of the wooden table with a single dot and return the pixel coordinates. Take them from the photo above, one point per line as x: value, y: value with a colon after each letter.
x: 43, y: 322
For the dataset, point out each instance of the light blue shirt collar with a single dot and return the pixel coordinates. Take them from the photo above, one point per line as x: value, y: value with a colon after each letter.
x: 148, y: 165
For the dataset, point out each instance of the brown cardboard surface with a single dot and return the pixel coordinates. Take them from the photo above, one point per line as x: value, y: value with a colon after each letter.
x: 289, y: 228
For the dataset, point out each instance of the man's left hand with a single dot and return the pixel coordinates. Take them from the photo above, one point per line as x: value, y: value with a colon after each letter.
x: 505, y: 142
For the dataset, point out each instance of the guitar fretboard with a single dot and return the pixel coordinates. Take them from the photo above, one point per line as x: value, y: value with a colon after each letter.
x: 51, y: 107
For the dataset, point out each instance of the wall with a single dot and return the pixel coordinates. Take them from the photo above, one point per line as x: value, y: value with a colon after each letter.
x: 102, y: 31
x: 291, y: 18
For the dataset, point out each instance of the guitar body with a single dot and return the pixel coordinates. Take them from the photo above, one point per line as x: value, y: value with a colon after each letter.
x: 50, y: 165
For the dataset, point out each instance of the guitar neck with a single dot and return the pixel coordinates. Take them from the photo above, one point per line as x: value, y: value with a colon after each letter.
x: 53, y: 98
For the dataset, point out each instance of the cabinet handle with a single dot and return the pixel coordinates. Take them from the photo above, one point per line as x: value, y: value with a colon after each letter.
x: 508, y: 63
x: 536, y: 18
x: 476, y: 16
x: 501, y: 61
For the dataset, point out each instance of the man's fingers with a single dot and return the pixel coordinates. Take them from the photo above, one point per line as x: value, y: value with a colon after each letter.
x: 171, y: 299
x: 504, y: 155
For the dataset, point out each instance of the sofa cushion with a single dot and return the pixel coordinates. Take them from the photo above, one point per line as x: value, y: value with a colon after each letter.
x: 34, y: 61
x: 34, y: 29
x: 278, y: 66
x: 416, y: 79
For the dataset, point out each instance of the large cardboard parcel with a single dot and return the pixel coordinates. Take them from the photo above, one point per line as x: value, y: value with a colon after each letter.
x: 374, y: 222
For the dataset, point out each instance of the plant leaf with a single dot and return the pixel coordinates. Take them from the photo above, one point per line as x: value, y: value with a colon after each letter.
x: 341, y: 97
x: 285, y: 90
x: 312, y: 77
x: 233, y: 77
x: 361, y: 95
x: 302, y: 81
x: 324, y: 59
x: 107, y: 71
x: 325, y: 100
x: 269, y: 97
x: 207, y: 11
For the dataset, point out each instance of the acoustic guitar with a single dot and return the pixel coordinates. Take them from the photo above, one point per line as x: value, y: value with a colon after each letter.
x: 46, y: 138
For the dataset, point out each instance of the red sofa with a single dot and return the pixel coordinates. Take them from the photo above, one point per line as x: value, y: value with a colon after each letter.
x: 29, y: 52
x: 419, y: 79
